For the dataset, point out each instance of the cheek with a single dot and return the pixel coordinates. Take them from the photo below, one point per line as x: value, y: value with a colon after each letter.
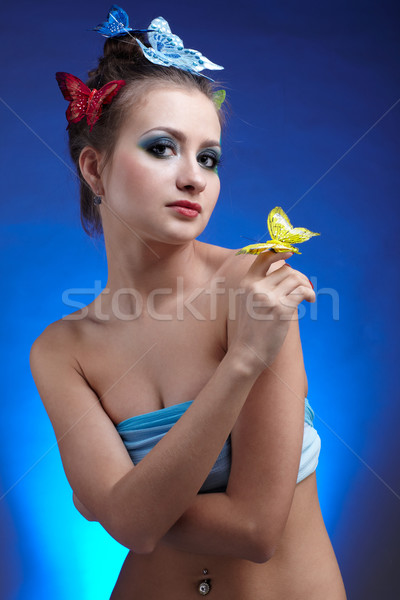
x: 132, y: 174
x: 129, y: 168
x: 216, y: 187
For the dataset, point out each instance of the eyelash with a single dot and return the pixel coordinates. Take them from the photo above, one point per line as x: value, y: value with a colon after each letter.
x: 215, y: 158
x: 167, y: 143
x: 162, y: 143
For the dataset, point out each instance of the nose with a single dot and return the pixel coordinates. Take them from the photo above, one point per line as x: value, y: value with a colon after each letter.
x: 191, y: 177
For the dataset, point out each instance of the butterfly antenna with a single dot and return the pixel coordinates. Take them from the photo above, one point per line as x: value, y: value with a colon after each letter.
x: 251, y: 239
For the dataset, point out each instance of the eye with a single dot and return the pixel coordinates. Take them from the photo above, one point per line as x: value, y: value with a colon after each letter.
x: 209, y: 159
x: 161, y: 148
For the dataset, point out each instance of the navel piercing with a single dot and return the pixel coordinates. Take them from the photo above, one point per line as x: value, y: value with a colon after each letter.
x: 205, y: 585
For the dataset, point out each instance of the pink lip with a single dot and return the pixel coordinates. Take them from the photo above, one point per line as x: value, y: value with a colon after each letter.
x: 187, y: 204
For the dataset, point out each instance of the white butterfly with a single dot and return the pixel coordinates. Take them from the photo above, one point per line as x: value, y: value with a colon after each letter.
x: 168, y: 50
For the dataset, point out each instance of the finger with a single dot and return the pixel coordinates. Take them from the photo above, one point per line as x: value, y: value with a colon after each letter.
x: 304, y: 292
x: 298, y: 291
x: 286, y: 272
x: 261, y: 264
x: 288, y: 281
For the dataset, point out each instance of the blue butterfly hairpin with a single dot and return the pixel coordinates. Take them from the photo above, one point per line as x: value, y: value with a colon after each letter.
x: 168, y: 50
x: 117, y: 23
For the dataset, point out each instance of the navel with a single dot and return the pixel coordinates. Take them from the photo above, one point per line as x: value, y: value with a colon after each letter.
x: 204, y: 586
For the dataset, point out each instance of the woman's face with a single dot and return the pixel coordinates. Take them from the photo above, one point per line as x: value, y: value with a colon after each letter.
x: 162, y: 179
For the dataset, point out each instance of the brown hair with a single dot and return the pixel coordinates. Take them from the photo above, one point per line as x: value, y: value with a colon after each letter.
x: 122, y: 59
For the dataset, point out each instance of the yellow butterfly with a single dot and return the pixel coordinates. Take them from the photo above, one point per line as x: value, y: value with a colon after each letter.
x: 282, y: 234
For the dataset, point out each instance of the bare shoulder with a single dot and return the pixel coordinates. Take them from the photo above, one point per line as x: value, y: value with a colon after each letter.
x: 56, y: 333
x: 58, y: 339
x: 78, y: 419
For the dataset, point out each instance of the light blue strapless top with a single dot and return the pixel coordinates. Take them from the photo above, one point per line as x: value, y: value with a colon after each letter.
x: 141, y: 433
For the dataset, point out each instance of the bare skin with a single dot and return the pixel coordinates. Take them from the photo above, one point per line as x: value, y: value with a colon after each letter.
x: 265, y: 537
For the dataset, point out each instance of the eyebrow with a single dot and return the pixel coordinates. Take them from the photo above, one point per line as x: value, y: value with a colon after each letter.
x: 179, y: 135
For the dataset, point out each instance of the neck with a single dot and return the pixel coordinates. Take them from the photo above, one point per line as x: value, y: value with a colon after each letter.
x: 141, y: 270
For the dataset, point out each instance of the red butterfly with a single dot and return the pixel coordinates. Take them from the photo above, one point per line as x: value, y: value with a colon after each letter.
x: 84, y: 101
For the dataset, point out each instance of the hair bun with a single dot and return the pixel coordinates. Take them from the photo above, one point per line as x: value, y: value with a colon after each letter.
x: 118, y: 54
x: 121, y: 47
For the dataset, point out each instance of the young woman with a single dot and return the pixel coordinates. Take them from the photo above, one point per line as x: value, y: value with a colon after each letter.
x: 190, y: 354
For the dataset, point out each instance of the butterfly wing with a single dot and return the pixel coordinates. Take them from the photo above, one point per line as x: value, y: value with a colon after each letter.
x: 271, y: 245
x: 197, y: 61
x: 76, y: 92
x: 280, y: 228
x: 167, y: 49
x: 279, y: 225
x: 117, y: 23
x: 102, y: 96
x: 188, y: 60
x: 162, y: 40
x: 219, y: 98
x: 157, y: 57
x: 300, y: 234
x: 283, y: 234
x: 160, y: 32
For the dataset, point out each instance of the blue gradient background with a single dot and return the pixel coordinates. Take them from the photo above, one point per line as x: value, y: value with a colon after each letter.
x: 314, y: 129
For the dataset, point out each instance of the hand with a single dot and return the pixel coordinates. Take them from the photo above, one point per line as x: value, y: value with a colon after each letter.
x: 266, y: 303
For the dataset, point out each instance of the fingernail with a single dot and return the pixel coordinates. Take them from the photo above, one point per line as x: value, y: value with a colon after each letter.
x: 311, y: 284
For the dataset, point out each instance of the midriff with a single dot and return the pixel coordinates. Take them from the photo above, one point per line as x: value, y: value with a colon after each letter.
x: 304, y: 565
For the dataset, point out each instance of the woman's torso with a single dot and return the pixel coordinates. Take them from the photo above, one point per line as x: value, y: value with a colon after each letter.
x: 165, y: 356
x: 303, y: 567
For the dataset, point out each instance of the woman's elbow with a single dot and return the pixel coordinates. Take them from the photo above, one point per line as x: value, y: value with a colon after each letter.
x: 81, y: 508
x: 138, y: 544
x: 132, y: 535
x: 261, y: 547
x: 261, y: 553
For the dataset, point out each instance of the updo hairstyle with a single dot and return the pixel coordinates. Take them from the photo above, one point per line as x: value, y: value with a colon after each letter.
x: 123, y: 59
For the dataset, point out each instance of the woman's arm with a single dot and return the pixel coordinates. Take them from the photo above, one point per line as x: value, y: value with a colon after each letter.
x: 85, y: 512
x: 266, y: 449
x: 223, y: 523
x: 138, y: 505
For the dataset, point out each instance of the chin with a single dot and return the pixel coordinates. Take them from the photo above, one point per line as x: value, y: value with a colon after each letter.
x: 185, y: 232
